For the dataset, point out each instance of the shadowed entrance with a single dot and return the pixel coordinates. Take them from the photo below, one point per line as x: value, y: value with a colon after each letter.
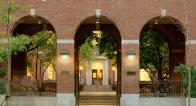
x: 97, y: 80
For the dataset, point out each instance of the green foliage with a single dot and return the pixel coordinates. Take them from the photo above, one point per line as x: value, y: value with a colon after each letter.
x: 7, y: 8
x: 107, y: 46
x: 42, y: 48
x: 45, y: 41
x: 184, y: 70
x: 4, y: 52
x: 3, y: 70
x: 2, y: 87
x: 102, y: 44
x: 154, y: 54
x: 86, y: 51
x: 19, y: 43
x: 86, y: 54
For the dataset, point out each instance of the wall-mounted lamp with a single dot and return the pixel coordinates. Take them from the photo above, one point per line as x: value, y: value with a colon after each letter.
x: 65, y: 54
x: 113, y: 68
x: 131, y: 54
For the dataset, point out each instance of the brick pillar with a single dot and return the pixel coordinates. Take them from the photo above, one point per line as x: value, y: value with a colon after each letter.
x: 65, y: 75
x: 130, y: 75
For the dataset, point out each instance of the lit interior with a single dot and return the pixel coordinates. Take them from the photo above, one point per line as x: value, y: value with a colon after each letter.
x: 97, y: 66
x: 50, y: 73
x: 144, y: 75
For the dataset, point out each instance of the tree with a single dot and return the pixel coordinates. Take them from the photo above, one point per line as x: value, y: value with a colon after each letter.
x: 43, y: 49
x: 185, y: 70
x: 86, y: 54
x: 154, y: 54
x: 6, y: 9
x: 108, y: 47
x: 16, y: 44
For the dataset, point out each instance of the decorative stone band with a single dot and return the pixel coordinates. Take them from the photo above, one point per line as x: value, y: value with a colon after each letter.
x: 65, y: 41
x: 192, y: 42
x: 59, y: 41
x: 127, y: 42
x: 123, y: 42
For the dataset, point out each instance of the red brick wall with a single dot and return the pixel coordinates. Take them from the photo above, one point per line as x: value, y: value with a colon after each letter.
x: 128, y: 15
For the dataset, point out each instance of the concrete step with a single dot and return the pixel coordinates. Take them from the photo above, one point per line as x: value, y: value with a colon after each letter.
x: 97, y: 88
x: 98, y: 100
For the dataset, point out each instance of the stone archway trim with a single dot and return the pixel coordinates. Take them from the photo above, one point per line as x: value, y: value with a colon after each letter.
x: 65, y: 41
x: 127, y: 42
x: 192, y: 42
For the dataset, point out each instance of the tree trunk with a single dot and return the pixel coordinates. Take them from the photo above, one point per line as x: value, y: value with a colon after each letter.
x: 36, y: 64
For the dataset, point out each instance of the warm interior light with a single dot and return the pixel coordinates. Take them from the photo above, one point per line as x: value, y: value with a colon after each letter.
x: 99, y: 73
x: 51, y: 73
x: 97, y: 33
x: 64, y: 56
x: 144, y: 75
x: 113, y: 68
x: 97, y: 66
x: 81, y: 68
x: 28, y: 72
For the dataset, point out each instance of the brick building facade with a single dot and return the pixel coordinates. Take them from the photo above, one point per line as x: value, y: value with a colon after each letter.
x: 128, y: 16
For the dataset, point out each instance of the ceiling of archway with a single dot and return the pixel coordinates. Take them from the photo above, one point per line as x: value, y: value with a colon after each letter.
x: 162, y: 21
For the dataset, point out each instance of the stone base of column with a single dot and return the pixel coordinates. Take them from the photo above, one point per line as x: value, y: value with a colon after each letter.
x: 65, y: 99
x: 129, y: 100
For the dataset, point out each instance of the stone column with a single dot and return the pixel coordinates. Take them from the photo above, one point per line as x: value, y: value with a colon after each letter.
x: 105, y: 71
x: 89, y: 77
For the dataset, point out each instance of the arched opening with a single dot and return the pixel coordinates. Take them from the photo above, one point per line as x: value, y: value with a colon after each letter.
x: 162, y: 47
x: 34, y: 70
x: 101, y: 74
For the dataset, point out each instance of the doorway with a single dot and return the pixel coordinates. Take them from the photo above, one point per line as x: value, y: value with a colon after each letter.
x: 97, y: 77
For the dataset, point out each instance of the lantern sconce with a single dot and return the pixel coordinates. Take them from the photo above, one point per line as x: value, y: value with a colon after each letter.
x: 131, y: 54
x: 65, y: 55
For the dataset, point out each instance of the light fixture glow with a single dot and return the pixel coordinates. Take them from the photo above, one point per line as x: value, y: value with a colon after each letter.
x: 64, y: 55
x: 131, y: 54
x: 81, y: 68
x: 113, y: 68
